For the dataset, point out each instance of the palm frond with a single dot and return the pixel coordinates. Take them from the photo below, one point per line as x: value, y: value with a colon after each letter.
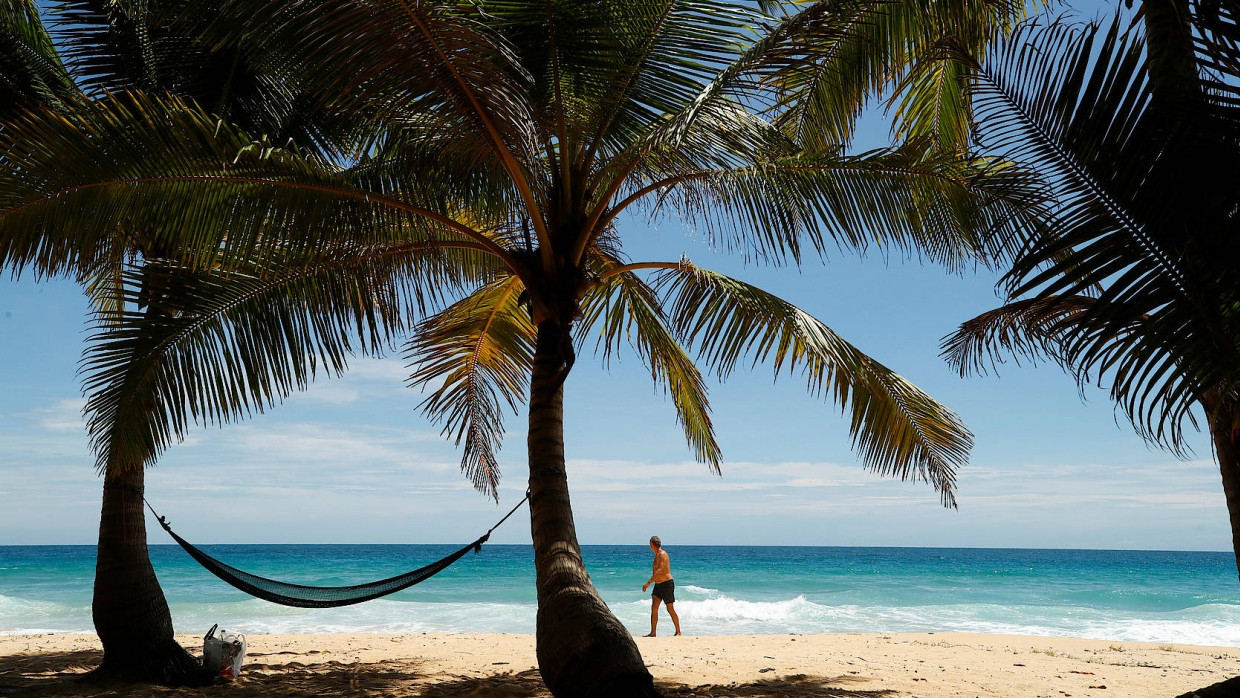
x: 125, y: 45
x: 932, y: 99
x: 475, y: 354
x: 839, y: 54
x: 896, y: 429
x: 1047, y: 327
x: 620, y: 66
x: 1217, y: 39
x: 911, y: 199
x: 1049, y: 116
x: 624, y: 308
x: 1135, y: 222
x: 392, y: 58
x: 164, y: 177
x: 31, y: 72
x: 1030, y: 328
x: 181, y: 346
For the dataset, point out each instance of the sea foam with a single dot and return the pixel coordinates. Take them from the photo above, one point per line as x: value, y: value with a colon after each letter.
x: 1163, y: 597
x: 19, y: 616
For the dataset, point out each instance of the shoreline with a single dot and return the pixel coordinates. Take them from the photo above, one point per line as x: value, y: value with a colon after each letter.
x: 886, y: 664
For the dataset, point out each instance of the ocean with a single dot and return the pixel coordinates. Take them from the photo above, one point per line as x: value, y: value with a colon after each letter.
x: 1151, y: 596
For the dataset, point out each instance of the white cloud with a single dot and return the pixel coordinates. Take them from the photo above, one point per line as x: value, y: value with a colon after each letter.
x: 367, y: 379
x: 63, y: 415
x: 316, y: 481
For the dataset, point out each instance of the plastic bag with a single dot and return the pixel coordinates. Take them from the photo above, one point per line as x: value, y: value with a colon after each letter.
x: 223, y: 653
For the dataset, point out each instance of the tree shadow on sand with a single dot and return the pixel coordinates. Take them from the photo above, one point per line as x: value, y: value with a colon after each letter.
x: 62, y: 673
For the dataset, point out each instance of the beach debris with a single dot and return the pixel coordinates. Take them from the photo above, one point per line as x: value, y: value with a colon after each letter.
x: 763, y: 671
x: 1018, y: 664
x: 1074, y: 671
x: 1098, y: 686
x: 497, y: 663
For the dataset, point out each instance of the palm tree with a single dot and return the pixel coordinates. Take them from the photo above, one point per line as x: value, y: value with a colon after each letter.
x: 505, y: 139
x: 114, y: 46
x: 1133, y: 281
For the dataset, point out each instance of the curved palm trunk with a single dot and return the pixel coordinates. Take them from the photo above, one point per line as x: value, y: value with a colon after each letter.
x: 129, y: 609
x: 583, y: 650
x: 1224, y: 418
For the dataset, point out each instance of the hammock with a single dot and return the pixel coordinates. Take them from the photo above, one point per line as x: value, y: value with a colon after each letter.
x: 302, y: 596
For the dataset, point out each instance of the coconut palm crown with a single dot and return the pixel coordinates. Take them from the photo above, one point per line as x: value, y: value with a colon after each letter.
x: 505, y: 140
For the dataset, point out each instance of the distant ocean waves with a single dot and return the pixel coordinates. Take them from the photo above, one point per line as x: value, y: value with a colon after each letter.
x: 1135, y: 596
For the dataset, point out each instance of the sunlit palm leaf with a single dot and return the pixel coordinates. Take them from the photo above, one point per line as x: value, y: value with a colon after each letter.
x: 933, y: 98
x: 623, y: 308
x: 839, y: 54
x: 896, y: 428
x: 476, y: 355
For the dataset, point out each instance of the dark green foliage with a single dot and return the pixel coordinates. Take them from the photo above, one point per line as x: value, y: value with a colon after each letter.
x: 1134, y: 280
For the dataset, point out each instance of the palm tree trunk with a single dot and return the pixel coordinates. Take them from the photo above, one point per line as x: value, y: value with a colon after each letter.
x: 1224, y: 418
x: 129, y: 609
x: 583, y: 650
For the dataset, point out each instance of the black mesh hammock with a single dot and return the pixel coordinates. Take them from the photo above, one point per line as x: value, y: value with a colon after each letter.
x: 302, y: 596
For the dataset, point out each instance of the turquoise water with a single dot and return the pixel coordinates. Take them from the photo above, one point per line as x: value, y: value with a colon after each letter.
x: 1180, y: 597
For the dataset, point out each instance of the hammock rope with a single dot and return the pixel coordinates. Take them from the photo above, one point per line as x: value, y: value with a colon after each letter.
x: 304, y: 596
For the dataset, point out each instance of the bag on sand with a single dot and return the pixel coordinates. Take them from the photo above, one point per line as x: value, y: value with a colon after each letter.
x: 223, y: 653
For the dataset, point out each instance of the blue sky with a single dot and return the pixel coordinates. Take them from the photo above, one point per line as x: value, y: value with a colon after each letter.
x: 351, y: 460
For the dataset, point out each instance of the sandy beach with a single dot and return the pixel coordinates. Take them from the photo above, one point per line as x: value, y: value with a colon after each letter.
x: 861, y: 665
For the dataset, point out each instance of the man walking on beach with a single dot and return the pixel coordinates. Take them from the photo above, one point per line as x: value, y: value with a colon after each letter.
x: 664, y: 587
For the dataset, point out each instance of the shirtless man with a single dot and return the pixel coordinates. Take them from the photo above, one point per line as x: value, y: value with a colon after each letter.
x: 664, y: 587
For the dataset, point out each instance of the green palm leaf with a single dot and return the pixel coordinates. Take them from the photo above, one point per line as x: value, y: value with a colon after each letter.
x: 158, y: 175
x: 896, y: 428
x: 479, y: 352
x: 910, y: 199
x: 31, y: 71
x: 187, y: 346
x: 838, y: 54
x: 624, y: 308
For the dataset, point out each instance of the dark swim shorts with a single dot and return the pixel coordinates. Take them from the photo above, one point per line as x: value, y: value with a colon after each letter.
x: 666, y: 591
